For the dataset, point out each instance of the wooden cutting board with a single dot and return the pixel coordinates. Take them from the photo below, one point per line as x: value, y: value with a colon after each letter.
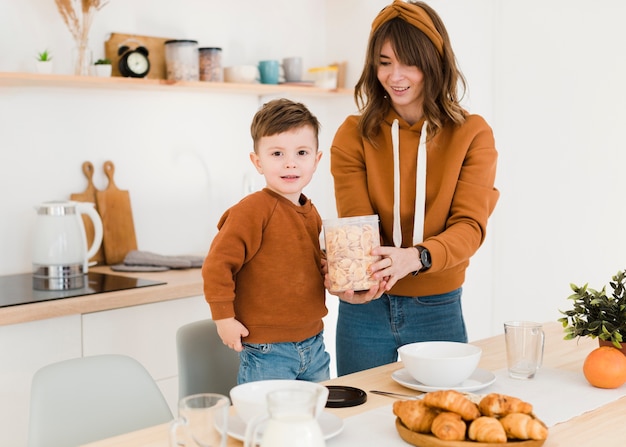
x: 89, y: 195
x: 118, y: 227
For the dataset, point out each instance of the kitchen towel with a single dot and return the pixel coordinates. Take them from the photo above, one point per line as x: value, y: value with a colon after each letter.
x: 135, y: 260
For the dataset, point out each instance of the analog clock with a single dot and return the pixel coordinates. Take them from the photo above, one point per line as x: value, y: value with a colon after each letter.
x: 133, y: 63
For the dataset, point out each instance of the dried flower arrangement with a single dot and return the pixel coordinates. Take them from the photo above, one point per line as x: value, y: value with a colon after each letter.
x: 78, y: 15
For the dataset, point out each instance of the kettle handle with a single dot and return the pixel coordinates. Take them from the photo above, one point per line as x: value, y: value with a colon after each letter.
x: 88, y: 209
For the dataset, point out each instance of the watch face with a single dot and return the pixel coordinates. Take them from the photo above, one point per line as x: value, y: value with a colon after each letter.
x: 138, y: 63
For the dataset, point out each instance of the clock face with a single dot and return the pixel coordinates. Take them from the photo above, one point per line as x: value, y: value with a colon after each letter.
x: 138, y: 63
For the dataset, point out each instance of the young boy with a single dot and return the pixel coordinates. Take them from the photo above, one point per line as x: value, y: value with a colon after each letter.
x: 262, y: 276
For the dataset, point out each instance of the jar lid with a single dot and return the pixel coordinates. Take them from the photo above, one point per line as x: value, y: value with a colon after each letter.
x: 210, y: 49
x: 181, y: 41
x: 340, y: 396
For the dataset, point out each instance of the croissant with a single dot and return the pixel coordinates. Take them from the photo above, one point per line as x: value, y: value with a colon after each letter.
x: 486, y: 429
x: 450, y: 400
x: 495, y: 404
x: 415, y: 414
x: 449, y: 426
x: 524, y: 426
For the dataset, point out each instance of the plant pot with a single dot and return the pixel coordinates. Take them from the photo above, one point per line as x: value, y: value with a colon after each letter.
x: 610, y: 343
x: 44, y: 67
x: 102, y: 70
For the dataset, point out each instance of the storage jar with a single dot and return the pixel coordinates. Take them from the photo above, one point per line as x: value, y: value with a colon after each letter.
x: 349, y: 242
x: 181, y: 60
x: 210, y: 61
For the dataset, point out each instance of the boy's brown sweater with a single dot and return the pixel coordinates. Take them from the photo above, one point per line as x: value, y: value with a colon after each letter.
x: 264, y: 269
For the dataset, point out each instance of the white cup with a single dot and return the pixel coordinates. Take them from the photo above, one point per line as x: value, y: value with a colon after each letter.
x: 202, y: 421
x: 242, y: 74
x: 292, y: 67
x: 524, y: 348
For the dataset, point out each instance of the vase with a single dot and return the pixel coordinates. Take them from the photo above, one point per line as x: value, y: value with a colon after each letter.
x: 44, y: 67
x: 610, y: 343
x: 102, y: 70
x: 82, y: 56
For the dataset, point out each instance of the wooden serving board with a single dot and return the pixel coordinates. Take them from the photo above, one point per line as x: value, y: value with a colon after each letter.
x: 89, y: 195
x: 118, y: 227
x: 155, y: 46
x: 426, y: 440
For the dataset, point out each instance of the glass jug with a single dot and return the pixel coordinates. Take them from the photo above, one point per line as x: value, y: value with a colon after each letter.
x: 291, y: 421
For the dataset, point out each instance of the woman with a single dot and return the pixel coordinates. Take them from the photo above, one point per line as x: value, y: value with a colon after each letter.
x: 416, y: 158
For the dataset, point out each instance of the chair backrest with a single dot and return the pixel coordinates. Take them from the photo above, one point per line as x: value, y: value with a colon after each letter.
x: 205, y: 364
x: 81, y: 400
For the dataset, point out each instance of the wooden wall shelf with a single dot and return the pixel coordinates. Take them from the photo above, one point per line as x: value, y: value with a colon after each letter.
x: 14, y: 79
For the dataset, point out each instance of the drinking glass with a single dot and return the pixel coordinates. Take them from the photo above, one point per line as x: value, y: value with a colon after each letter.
x: 202, y: 421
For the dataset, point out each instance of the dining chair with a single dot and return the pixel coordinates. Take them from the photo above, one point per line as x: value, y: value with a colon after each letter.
x: 205, y: 364
x: 86, y: 399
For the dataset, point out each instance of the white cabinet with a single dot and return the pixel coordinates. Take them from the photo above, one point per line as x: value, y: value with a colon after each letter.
x: 24, y: 348
x: 146, y: 332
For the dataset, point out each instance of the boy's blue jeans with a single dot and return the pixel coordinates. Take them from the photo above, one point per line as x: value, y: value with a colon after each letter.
x: 304, y: 360
x: 369, y: 335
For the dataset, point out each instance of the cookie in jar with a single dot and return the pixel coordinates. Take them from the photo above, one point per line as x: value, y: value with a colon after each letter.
x: 349, y: 243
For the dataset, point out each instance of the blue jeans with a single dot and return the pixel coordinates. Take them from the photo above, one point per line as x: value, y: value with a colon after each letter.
x: 369, y: 335
x: 304, y: 360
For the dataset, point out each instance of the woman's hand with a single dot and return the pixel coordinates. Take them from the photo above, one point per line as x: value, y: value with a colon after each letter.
x: 395, y: 264
x: 231, y: 331
x: 361, y: 297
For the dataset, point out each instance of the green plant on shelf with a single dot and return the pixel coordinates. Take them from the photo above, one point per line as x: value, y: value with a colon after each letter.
x: 44, y: 56
x: 104, y: 61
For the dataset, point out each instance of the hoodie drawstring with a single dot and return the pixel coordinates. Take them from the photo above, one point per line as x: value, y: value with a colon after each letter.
x: 420, y: 186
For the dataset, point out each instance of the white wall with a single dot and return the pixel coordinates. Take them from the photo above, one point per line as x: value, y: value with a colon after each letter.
x: 559, y: 117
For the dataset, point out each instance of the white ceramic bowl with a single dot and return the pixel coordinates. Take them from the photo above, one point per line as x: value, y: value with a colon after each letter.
x: 440, y: 363
x: 242, y: 74
x: 250, y: 401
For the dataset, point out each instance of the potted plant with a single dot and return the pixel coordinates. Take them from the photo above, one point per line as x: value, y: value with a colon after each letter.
x: 102, y: 67
x: 44, y: 62
x: 596, y: 314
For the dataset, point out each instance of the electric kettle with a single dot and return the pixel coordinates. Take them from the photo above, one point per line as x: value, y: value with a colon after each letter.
x: 60, y: 253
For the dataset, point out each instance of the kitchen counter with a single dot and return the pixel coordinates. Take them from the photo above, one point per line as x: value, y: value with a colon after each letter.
x: 179, y: 284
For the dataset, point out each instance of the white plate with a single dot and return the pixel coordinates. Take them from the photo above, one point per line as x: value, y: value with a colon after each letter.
x: 330, y: 424
x: 481, y: 378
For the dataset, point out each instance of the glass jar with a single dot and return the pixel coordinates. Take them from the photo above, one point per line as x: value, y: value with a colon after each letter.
x: 210, y: 62
x: 349, y: 242
x: 181, y: 60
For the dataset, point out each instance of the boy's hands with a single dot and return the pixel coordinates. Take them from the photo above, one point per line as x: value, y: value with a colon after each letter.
x: 231, y: 331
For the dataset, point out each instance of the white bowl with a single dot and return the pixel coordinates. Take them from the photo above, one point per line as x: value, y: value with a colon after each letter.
x: 250, y: 399
x: 440, y: 363
x: 242, y: 74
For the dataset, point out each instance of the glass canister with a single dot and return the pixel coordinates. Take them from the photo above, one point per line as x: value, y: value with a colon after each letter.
x: 210, y: 62
x: 181, y: 60
x: 349, y: 243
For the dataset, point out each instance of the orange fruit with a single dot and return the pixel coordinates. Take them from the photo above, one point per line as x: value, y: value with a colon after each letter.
x: 605, y: 367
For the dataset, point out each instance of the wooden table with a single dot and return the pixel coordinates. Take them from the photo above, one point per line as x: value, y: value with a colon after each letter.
x: 603, y: 427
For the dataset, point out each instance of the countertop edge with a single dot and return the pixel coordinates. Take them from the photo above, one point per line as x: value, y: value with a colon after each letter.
x: 179, y: 284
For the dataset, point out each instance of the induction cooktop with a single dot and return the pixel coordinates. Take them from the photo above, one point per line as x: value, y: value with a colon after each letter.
x: 18, y: 289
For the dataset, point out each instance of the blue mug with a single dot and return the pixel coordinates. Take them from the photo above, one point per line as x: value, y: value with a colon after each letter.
x: 269, y: 71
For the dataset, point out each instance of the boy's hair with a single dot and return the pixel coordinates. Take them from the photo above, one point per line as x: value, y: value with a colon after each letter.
x: 282, y: 115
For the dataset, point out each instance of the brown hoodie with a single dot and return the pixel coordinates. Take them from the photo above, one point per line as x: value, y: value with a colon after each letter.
x: 460, y: 193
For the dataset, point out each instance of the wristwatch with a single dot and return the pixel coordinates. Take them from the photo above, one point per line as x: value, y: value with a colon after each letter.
x: 424, y: 258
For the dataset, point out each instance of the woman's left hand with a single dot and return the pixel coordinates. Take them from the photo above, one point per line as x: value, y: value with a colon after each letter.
x: 395, y: 263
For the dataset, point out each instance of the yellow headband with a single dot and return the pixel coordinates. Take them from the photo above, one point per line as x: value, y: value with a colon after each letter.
x: 412, y: 14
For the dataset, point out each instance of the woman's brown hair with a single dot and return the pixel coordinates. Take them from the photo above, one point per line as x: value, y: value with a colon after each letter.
x: 442, y: 78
